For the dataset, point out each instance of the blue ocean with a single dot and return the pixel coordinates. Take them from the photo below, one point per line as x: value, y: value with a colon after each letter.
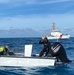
x: 17, y: 45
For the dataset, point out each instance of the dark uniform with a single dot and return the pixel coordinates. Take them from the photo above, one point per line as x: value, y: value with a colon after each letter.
x: 46, y: 47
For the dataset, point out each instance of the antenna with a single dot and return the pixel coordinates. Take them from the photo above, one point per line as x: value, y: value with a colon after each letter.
x: 53, y: 26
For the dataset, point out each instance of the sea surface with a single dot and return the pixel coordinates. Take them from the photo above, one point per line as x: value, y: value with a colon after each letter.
x: 17, y: 45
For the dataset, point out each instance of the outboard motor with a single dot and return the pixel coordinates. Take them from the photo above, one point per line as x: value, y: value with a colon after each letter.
x: 58, y: 51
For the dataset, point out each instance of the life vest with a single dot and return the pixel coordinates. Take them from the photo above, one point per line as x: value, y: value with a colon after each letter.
x: 1, y: 49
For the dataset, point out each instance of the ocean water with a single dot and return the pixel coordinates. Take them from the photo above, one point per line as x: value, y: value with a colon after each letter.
x: 17, y: 45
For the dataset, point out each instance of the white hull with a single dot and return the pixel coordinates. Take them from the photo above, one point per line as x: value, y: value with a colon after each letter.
x: 27, y: 61
x: 57, y: 37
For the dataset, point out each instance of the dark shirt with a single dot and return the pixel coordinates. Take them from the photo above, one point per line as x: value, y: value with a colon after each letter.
x: 45, y: 43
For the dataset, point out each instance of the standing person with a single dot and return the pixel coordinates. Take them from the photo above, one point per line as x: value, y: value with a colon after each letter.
x: 46, y: 46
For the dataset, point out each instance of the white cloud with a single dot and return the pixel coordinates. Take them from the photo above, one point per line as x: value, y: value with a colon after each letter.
x: 4, y: 1
x: 38, y: 22
x: 31, y: 1
x: 53, y: 1
x: 18, y: 1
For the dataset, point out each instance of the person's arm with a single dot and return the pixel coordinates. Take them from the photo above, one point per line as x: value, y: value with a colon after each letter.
x: 41, y: 41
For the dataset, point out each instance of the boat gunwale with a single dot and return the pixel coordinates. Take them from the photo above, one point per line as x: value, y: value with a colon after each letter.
x: 33, y: 57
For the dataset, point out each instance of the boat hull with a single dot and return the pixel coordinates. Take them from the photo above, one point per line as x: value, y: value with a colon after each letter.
x: 57, y: 37
x: 27, y: 61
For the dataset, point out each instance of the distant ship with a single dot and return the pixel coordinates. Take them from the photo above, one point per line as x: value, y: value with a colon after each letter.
x: 56, y: 34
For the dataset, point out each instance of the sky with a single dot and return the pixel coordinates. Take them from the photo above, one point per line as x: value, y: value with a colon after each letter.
x: 37, y: 14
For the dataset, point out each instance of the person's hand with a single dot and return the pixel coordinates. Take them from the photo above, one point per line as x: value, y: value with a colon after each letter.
x: 41, y: 39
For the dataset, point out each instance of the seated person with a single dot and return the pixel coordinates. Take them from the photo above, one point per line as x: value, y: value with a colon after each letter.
x: 4, y: 50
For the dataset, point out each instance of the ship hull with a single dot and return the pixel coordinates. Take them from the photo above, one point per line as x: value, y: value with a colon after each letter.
x: 57, y: 37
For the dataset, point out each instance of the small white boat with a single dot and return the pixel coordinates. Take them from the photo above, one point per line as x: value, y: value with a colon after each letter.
x: 27, y: 60
x: 56, y: 34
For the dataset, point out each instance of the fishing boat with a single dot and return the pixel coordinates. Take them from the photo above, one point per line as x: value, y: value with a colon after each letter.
x: 56, y: 34
x: 26, y: 60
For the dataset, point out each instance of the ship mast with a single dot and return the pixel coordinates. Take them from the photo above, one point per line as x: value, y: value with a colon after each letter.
x: 53, y: 27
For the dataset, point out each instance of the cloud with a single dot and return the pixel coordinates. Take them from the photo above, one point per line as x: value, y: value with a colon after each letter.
x: 64, y: 22
x: 30, y: 7
x: 32, y: 1
x: 4, y: 1
x: 52, y: 1
x: 38, y: 21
